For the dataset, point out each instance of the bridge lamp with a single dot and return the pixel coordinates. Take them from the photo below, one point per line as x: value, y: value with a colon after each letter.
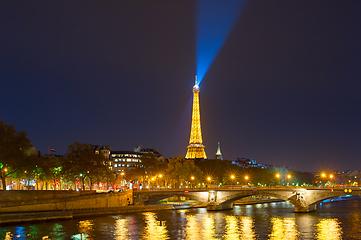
x: 192, y: 178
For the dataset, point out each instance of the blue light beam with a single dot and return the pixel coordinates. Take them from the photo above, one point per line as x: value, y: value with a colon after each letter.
x: 215, y: 20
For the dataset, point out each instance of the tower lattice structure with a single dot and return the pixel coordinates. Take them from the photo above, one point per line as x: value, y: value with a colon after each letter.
x: 196, y: 147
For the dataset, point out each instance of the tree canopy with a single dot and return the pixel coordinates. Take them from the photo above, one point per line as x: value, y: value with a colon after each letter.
x: 13, y: 148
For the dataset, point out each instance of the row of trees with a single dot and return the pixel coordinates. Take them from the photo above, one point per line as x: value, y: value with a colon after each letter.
x: 80, y: 165
x: 179, y: 172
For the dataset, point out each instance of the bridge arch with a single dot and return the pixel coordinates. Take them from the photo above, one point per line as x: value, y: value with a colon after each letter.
x: 304, y: 200
x: 151, y: 197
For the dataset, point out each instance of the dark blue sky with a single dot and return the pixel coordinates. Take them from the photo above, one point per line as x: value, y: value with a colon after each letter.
x: 284, y: 88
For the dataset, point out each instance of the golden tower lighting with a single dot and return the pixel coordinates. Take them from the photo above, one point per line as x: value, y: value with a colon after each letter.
x: 196, y: 147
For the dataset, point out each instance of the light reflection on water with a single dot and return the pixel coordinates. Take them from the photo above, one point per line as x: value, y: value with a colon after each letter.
x: 121, y: 229
x: 328, y: 229
x: 248, y: 223
x: 285, y: 228
x: 232, y: 230
x: 154, y: 229
x: 238, y: 227
x: 247, y: 228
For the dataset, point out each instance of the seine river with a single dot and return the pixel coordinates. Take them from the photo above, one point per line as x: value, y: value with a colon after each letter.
x: 335, y: 220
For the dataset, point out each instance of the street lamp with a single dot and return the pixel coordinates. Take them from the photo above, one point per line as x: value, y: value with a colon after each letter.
x: 192, y: 178
x: 232, y: 179
x: 288, y: 177
x: 278, y: 178
x: 331, y: 177
x: 323, y: 176
x: 160, y: 181
x: 246, y: 178
x: 209, y: 180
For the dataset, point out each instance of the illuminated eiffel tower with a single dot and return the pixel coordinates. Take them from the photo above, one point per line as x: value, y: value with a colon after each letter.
x: 196, y: 147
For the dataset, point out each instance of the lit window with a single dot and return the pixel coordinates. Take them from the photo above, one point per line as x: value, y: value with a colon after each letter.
x: 116, y: 159
x: 115, y: 165
x: 129, y: 160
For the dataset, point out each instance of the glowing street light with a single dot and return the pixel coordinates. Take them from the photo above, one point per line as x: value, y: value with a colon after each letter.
x: 192, y: 178
x: 278, y: 178
x: 288, y: 177
x: 246, y: 178
x: 209, y: 180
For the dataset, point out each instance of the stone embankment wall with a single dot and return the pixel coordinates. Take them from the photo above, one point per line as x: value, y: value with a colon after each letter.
x: 11, y: 197
x: 38, y: 201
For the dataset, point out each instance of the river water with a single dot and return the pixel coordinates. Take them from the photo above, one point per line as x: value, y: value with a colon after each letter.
x: 335, y: 220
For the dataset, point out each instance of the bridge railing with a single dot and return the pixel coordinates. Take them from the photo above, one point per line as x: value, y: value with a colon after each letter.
x: 247, y: 188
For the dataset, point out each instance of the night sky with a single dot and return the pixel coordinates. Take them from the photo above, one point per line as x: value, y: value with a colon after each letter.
x: 283, y: 87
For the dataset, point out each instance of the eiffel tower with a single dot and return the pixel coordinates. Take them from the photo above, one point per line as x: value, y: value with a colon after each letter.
x: 196, y: 147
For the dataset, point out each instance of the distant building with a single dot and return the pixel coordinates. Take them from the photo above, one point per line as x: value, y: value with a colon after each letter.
x: 101, y: 149
x: 249, y: 163
x: 139, y: 149
x: 104, y: 150
x: 348, y: 177
x: 124, y: 161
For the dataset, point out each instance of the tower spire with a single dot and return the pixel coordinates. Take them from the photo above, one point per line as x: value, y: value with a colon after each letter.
x: 219, y: 154
x: 196, y: 147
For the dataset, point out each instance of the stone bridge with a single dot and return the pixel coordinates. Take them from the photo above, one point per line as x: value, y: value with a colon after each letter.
x: 304, y: 199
